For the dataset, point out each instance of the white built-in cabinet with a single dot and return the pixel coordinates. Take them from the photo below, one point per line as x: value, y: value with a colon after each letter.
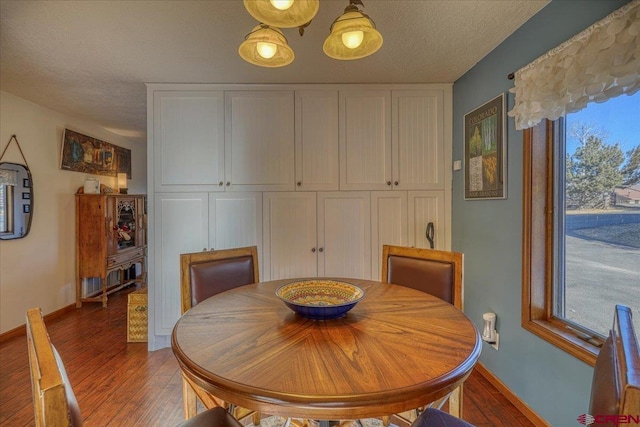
x: 316, y: 146
x: 318, y: 177
x: 193, y: 222
x: 259, y: 140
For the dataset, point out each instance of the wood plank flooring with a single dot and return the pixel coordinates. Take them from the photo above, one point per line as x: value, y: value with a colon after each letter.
x: 122, y: 384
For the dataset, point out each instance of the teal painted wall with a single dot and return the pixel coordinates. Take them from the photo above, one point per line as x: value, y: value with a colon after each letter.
x: 489, y: 233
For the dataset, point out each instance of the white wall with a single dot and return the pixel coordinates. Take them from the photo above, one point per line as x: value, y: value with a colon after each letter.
x: 39, y: 270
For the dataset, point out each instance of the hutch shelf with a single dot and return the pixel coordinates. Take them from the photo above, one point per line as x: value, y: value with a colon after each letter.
x: 110, y: 237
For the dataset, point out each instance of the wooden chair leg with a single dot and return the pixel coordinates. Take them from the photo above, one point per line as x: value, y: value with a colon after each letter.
x: 190, y: 404
x: 455, y: 402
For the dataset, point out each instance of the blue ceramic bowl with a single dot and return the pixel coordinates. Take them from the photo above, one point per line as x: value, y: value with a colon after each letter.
x: 320, y: 299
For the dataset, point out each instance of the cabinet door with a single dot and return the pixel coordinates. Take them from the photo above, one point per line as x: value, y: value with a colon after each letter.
x: 316, y: 140
x: 235, y: 220
x: 418, y: 140
x: 426, y: 207
x: 259, y: 140
x: 365, y: 140
x: 344, y: 234
x: 290, y: 248
x: 388, y: 225
x: 188, y: 140
x: 181, y: 226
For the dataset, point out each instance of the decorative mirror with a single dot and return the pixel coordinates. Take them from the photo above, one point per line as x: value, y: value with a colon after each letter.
x: 16, y: 198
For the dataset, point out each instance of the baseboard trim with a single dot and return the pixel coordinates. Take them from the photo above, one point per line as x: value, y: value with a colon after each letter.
x: 21, y: 330
x: 529, y: 413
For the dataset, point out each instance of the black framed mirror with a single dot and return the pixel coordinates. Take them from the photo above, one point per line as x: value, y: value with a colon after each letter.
x: 16, y: 201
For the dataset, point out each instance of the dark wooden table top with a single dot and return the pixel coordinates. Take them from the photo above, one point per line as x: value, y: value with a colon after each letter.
x: 396, y: 350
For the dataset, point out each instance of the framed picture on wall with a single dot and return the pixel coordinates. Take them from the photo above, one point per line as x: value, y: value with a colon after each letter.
x: 26, y: 208
x: 26, y: 183
x: 26, y: 196
x: 485, y: 151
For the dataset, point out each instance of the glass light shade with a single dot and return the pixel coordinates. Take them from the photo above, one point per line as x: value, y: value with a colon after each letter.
x: 265, y: 35
x: 300, y: 12
x: 350, y: 22
x: 8, y: 177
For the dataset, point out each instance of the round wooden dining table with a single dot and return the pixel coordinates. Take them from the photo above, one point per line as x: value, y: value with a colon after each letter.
x: 396, y: 350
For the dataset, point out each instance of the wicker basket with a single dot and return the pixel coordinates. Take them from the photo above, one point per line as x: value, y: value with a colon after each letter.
x: 137, y: 315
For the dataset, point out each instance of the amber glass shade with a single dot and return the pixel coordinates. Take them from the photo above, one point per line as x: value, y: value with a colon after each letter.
x: 349, y: 24
x: 299, y: 13
x: 267, y: 37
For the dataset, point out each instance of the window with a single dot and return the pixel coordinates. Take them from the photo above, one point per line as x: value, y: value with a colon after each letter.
x: 6, y: 207
x: 581, y: 224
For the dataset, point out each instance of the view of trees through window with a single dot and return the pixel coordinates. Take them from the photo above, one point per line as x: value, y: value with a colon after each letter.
x: 598, y: 231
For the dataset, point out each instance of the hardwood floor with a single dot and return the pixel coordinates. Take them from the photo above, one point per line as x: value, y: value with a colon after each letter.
x: 122, y: 384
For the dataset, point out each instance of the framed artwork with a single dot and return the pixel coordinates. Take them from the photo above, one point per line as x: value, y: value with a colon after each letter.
x: 26, y: 208
x: 485, y: 151
x: 26, y: 183
x: 82, y: 153
x: 26, y: 196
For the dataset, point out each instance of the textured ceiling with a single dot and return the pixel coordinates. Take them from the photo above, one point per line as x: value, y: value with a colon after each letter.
x: 91, y: 59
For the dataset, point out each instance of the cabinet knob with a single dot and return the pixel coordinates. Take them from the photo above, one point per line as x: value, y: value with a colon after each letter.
x: 313, y: 250
x: 395, y: 183
x: 228, y: 183
x: 321, y: 250
x: 221, y: 183
x: 299, y: 184
x: 388, y: 182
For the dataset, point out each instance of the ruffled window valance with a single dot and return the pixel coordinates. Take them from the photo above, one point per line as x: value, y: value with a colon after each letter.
x: 595, y: 65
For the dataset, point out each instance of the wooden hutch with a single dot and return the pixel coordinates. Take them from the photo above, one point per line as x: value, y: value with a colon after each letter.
x: 110, y: 237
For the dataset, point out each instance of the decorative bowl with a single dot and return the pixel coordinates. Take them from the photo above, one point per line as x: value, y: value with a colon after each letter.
x: 320, y: 299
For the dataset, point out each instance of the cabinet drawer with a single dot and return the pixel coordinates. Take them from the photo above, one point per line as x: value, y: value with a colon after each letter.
x: 124, y: 257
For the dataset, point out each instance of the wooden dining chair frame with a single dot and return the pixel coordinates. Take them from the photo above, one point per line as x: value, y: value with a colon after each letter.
x: 188, y: 259
x: 191, y: 392
x: 456, y: 259
x: 51, y: 390
x: 615, y: 389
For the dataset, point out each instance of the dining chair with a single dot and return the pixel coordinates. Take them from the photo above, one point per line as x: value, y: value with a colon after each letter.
x: 54, y: 402
x: 207, y: 273
x: 615, y: 388
x: 203, y: 275
x: 439, y: 273
x: 432, y: 417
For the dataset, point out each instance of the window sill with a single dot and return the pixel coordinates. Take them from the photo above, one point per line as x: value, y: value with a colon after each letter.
x: 561, y: 336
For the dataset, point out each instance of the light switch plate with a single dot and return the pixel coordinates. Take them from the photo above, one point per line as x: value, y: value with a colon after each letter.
x: 457, y: 165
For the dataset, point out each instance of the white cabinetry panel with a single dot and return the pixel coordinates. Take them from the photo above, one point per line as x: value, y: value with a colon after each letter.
x: 188, y: 140
x: 259, y: 140
x: 388, y: 224
x: 181, y: 226
x: 425, y: 207
x: 418, y: 140
x: 290, y: 231
x: 235, y: 220
x: 365, y: 140
x: 317, y: 140
x: 344, y: 234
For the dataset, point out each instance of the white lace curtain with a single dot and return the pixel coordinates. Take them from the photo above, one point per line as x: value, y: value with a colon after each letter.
x: 597, y: 64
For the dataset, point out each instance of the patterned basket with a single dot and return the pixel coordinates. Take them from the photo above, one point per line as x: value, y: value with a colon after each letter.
x: 137, y: 315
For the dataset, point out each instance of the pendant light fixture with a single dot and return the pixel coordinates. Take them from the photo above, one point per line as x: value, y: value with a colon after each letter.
x: 353, y: 35
x: 266, y: 46
x: 283, y: 13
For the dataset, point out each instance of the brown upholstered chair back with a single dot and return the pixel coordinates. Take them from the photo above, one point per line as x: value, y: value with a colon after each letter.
x: 205, y: 274
x: 615, y: 389
x: 438, y: 273
x: 54, y: 402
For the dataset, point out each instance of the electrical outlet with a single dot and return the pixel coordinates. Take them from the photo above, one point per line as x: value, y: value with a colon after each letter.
x: 495, y: 344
